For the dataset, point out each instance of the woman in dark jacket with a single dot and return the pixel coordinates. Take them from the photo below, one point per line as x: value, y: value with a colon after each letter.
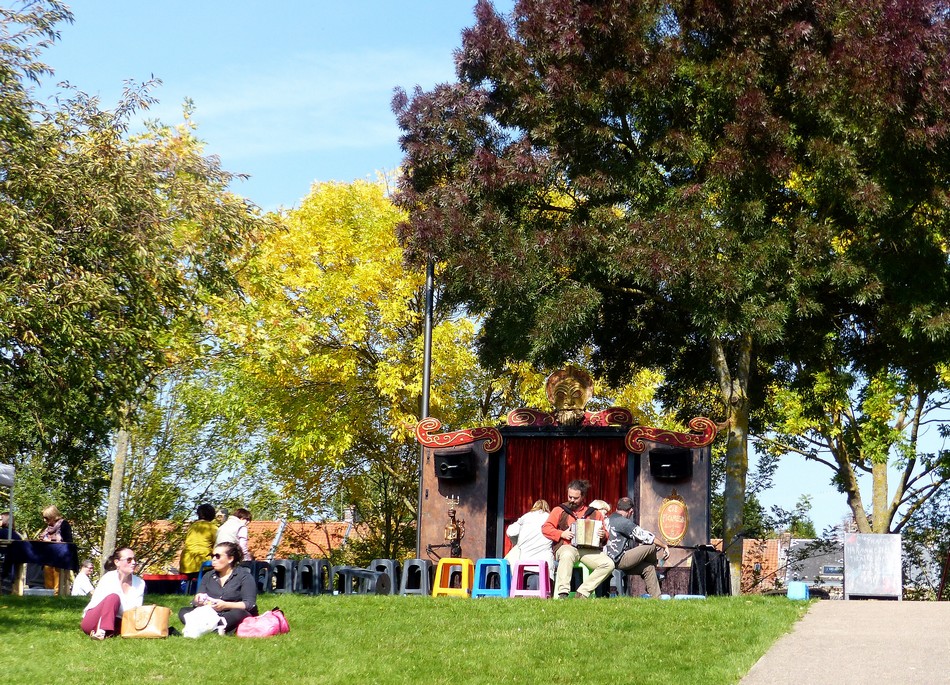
x: 230, y: 589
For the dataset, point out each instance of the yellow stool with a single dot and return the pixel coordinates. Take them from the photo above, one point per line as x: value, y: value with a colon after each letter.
x: 443, y: 578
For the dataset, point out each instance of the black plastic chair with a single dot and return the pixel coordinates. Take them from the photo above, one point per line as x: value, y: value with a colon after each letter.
x: 313, y: 577
x: 389, y: 568
x: 416, y: 577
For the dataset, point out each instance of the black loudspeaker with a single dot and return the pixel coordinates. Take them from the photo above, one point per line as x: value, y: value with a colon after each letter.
x: 455, y: 466
x: 671, y: 463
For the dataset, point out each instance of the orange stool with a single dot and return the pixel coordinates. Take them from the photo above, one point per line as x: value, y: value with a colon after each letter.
x: 443, y: 577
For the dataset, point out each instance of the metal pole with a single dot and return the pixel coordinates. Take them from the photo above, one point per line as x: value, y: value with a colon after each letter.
x: 424, y: 409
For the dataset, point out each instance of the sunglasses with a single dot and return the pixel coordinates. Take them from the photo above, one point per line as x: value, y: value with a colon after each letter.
x: 218, y: 556
x: 131, y: 560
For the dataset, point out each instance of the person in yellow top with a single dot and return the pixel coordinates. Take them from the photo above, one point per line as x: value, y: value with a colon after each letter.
x: 199, y: 541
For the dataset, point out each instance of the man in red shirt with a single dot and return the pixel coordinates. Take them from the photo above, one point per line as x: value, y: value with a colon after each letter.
x: 558, y: 528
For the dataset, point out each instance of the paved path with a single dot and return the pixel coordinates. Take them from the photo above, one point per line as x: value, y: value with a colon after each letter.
x: 861, y: 642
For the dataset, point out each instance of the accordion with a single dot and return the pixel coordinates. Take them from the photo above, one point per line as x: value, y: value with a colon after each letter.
x: 586, y: 533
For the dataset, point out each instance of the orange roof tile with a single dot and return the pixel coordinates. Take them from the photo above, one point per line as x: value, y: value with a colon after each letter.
x: 769, y: 555
x: 300, y: 538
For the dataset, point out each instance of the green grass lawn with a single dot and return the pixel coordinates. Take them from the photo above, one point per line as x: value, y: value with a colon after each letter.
x: 370, y: 639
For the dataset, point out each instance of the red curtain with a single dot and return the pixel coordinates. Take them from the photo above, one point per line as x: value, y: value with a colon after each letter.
x: 540, y: 468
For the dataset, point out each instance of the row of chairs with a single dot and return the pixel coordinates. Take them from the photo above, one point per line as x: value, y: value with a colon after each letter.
x: 318, y: 576
x: 451, y: 577
x: 490, y: 577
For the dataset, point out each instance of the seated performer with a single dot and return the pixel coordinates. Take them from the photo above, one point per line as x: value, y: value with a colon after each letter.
x: 557, y: 528
x: 633, y: 549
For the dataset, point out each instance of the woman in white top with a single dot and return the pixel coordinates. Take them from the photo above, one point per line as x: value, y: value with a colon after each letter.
x: 531, y: 543
x: 117, y: 591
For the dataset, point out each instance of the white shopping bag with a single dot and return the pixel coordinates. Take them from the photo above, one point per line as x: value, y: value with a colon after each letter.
x: 202, y: 620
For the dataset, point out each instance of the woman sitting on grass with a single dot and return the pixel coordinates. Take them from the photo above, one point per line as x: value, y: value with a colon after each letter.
x: 116, y: 592
x: 230, y: 589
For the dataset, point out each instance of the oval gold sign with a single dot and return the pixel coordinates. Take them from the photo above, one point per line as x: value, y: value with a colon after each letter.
x: 673, y: 519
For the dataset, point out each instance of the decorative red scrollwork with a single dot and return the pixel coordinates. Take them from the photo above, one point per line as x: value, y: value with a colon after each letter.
x: 530, y: 417
x: 704, y: 432
x: 425, y: 434
x: 612, y: 416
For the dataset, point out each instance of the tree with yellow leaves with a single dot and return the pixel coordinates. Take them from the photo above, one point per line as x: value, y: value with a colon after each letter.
x: 324, y: 354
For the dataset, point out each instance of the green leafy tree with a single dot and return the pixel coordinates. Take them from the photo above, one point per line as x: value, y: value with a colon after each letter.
x: 109, y: 243
x: 707, y: 188
x: 324, y: 357
x: 867, y: 426
x: 926, y: 547
x: 188, y: 447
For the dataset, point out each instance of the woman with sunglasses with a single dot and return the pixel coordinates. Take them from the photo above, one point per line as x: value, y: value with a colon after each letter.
x: 229, y: 588
x: 117, y: 591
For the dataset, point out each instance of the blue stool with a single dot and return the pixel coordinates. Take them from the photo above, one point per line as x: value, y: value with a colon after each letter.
x: 484, y: 568
x: 195, y: 584
x: 798, y: 590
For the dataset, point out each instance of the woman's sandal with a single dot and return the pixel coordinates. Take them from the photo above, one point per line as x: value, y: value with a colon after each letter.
x: 99, y: 634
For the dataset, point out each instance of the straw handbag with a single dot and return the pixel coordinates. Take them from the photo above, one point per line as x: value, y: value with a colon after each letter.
x: 146, y: 621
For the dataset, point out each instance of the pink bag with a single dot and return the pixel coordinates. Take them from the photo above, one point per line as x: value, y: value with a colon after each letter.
x: 269, y: 623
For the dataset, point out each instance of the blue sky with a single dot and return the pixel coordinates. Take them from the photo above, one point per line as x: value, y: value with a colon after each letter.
x: 298, y: 91
x: 288, y: 91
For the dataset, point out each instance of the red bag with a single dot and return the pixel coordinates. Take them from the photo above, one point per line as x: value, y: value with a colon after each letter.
x: 269, y: 623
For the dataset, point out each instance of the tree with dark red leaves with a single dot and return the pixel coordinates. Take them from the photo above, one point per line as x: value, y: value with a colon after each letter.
x: 736, y: 192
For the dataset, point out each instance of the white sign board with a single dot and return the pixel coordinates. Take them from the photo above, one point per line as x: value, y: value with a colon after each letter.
x: 6, y: 475
x: 872, y: 566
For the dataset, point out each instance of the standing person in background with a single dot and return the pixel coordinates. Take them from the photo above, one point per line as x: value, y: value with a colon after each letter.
x: 82, y: 585
x: 235, y: 530
x: 531, y: 543
x: 57, y: 530
x: 116, y: 592
x: 199, y: 541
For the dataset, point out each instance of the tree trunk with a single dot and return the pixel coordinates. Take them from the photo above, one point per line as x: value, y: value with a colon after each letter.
x: 880, y: 513
x: 115, y: 495
x: 734, y: 388
x: 851, y: 488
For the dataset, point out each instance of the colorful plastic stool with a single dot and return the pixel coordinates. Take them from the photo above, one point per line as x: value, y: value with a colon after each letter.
x: 483, y: 567
x: 519, y: 587
x: 797, y: 590
x: 416, y: 577
x: 443, y: 577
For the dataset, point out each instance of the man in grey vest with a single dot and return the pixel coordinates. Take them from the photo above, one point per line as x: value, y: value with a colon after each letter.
x: 633, y: 549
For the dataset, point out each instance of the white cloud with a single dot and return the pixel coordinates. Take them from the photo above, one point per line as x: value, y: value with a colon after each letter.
x: 306, y: 103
